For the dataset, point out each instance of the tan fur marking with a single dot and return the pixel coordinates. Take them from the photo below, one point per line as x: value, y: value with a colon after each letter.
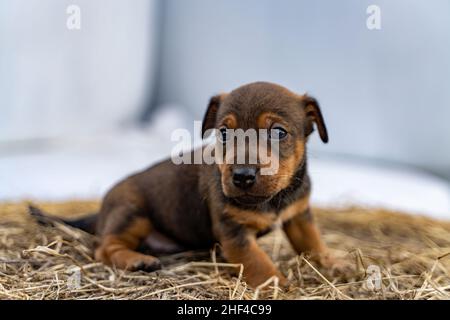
x: 252, y: 219
x: 288, y: 167
x: 298, y: 207
x: 230, y: 121
x: 118, y: 249
x: 266, y: 119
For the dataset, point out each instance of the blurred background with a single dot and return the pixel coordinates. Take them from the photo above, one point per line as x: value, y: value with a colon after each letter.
x: 82, y: 108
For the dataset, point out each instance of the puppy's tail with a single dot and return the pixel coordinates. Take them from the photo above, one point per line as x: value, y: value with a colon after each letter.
x: 87, y: 223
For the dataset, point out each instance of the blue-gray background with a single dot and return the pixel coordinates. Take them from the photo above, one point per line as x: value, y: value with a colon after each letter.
x: 384, y: 93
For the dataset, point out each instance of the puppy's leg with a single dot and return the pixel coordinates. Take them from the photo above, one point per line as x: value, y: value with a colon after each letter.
x: 158, y: 243
x: 119, y: 242
x: 239, y: 246
x: 304, y: 236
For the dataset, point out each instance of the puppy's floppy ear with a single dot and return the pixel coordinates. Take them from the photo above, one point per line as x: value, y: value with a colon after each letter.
x: 209, y: 120
x: 314, y: 115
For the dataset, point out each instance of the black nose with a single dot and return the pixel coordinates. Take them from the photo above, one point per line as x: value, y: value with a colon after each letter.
x: 244, y: 178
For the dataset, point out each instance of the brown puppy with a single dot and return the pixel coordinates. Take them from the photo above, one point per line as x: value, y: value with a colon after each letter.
x: 169, y: 208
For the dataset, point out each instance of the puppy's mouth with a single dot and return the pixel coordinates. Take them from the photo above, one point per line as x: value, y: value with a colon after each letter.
x: 248, y: 199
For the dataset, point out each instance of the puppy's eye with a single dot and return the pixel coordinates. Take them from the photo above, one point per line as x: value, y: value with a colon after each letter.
x: 277, y: 133
x: 223, y: 136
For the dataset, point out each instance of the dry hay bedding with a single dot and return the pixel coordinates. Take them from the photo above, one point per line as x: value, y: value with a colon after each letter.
x: 412, y: 252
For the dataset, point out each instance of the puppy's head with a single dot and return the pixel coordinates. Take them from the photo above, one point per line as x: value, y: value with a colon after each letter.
x: 286, y: 120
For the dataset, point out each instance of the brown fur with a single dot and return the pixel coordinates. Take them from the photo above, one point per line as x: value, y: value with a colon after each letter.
x: 253, y: 220
x: 304, y: 234
x: 194, y: 206
x: 300, y: 207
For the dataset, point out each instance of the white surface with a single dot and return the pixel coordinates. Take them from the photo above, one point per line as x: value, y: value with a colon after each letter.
x: 85, y: 167
x: 55, y: 81
x: 340, y: 183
